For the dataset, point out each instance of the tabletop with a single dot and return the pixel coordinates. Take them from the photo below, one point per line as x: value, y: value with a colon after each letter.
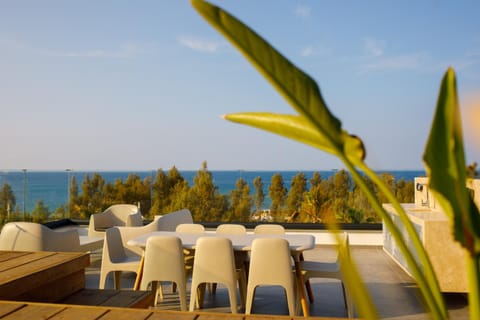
x: 297, y: 242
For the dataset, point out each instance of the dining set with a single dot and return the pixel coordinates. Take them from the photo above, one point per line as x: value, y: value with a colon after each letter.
x: 230, y: 255
x: 222, y: 257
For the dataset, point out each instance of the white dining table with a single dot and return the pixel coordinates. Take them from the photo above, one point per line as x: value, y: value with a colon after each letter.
x: 297, y: 243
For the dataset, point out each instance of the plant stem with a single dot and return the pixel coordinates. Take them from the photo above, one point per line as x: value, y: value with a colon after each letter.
x: 428, y: 270
x: 473, y: 267
x: 427, y: 284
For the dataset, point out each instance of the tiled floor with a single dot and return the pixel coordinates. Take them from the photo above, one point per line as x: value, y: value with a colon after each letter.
x: 392, y: 290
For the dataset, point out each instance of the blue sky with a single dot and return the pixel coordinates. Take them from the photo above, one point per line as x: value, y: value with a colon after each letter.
x: 132, y: 85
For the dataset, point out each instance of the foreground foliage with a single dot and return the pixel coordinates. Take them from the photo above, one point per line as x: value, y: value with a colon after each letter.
x: 314, y: 124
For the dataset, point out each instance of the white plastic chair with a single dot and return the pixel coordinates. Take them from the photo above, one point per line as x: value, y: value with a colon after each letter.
x: 270, y: 265
x: 331, y: 270
x: 231, y: 228
x: 118, y: 215
x: 214, y: 263
x: 269, y: 229
x: 170, y: 221
x: 118, y: 256
x: 190, y: 228
x: 30, y: 236
x: 164, y: 262
x: 241, y: 257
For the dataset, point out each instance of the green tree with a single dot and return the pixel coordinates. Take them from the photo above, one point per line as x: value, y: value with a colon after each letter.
x: 405, y: 191
x: 360, y: 206
x: 74, y: 200
x: 389, y: 180
x: 161, y: 193
x: 207, y: 204
x: 137, y: 191
x: 179, y: 197
x: 92, y: 194
x: 259, y: 194
x: 341, y: 194
x: 277, y: 193
x: 241, y: 202
x: 315, y: 180
x: 40, y: 213
x: 297, y: 190
x: 313, y: 200
x: 174, y: 177
x: 7, y: 201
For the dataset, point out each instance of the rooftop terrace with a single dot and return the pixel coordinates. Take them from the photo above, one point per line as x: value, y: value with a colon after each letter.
x: 392, y: 289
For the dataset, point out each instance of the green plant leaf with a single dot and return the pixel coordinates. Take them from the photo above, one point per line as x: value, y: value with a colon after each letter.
x: 445, y: 163
x: 299, y: 89
x: 299, y: 129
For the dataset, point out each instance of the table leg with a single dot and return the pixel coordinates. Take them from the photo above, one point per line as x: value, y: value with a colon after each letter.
x: 138, y: 279
x: 301, y: 285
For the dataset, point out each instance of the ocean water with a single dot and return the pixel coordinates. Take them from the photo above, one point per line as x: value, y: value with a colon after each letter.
x: 52, y: 186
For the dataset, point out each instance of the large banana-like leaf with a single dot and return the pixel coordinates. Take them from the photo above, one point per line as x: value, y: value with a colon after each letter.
x: 299, y: 89
x: 445, y: 162
x: 297, y: 128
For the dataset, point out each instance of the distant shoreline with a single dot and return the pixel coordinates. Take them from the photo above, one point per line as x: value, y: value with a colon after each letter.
x: 51, y: 186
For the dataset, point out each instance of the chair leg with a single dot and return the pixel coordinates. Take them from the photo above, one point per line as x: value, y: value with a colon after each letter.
x: 117, y: 280
x: 308, y: 286
x: 348, y: 302
x: 193, y: 297
x: 197, y: 294
x: 182, y: 295
x: 242, y: 284
x: 232, y: 294
x: 291, y: 302
x: 250, y: 297
x: 103, y: 279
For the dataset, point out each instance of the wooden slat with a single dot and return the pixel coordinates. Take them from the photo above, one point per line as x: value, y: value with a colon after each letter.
x: 126, y: 314
x: 89, y: 297
x: 7, y: 255
x: 30, y: 312
x: 6, y: 308
x: 55, y: 290
x: 132, y: 299
x: 79, y: 314
x: 173, y: 315
x: 34, y: 311
x: 11, y: 260
x: 214, y: 316
x: 111, y: 298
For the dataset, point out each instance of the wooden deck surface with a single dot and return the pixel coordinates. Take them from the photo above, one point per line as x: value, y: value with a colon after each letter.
x: 41, y: 276
x: 33, y: 311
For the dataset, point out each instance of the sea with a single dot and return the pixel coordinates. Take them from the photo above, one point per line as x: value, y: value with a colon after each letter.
x: 51, y: 187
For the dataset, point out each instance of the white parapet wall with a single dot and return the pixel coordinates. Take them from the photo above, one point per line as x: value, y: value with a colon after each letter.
x: 324, y: 237
x: 356, y: 237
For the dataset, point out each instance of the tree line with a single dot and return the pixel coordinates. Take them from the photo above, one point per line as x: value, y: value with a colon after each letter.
x: 314, y: 200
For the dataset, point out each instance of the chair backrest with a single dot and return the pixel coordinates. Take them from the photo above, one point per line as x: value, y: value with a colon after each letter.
x: 116, y: 239
x: 118, y: 215
x: 214, y: 260
x: 29, y: 236
x: 270, y: 262
x: 190, y: 228
x: 230, y: 228
x: 128, y: 215
x: 269, y: 229
x: 170, y: 221
x: 164, y: 261
x: 344, y: 247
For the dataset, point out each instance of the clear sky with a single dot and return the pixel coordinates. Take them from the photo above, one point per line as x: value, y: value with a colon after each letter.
x: 132, y: 85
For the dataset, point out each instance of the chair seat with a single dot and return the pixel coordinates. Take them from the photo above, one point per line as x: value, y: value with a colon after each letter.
x: 318, y: 267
